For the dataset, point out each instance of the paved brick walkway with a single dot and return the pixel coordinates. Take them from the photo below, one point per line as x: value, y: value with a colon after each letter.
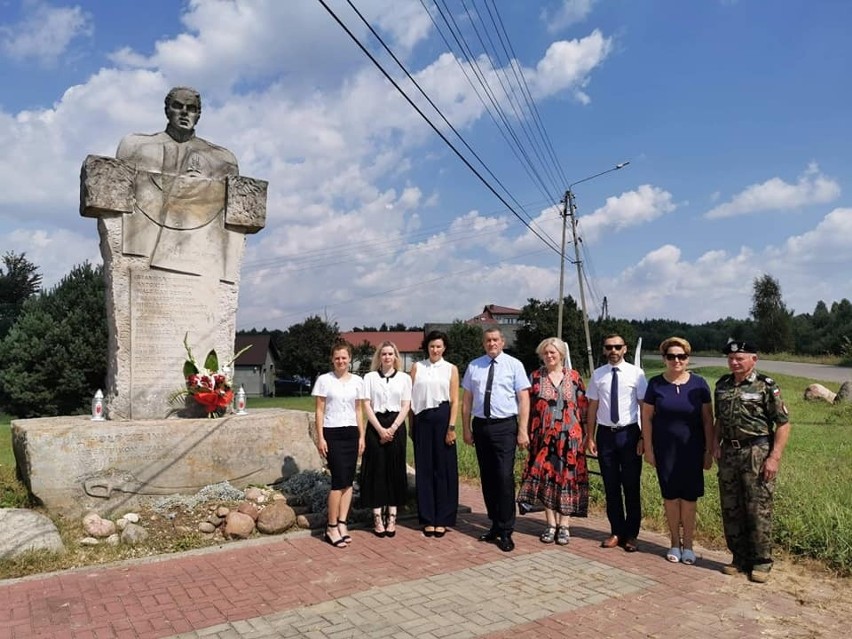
x: 412, y: 586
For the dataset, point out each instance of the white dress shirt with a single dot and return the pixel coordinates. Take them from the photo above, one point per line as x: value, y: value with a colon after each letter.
x: 631, y: 390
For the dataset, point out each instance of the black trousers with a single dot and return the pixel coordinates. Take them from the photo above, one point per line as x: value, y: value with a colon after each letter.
x: 436, y: 468
x: 496, y: 441
x: 621, y: 470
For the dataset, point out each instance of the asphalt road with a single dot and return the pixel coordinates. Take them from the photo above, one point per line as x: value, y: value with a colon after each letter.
x: 817, y: 372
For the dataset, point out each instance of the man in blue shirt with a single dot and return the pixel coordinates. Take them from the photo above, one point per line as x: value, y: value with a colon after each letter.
x: 495, y: 410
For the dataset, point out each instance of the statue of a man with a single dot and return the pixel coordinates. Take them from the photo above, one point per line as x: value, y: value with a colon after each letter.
x: 173, y: 213
x: 180, y: 193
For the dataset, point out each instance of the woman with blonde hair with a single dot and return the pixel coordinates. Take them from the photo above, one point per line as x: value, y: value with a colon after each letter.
x: 677, y: 430
x: 556, y: 472
x: 387, y: 398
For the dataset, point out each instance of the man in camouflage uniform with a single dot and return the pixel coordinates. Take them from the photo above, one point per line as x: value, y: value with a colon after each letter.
x: 751, y: 430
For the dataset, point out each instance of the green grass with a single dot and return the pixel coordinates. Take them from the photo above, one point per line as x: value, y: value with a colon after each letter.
x: 813, y: 503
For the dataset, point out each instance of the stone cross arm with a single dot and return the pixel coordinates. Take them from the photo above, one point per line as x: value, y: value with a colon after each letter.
x: 108, y: 187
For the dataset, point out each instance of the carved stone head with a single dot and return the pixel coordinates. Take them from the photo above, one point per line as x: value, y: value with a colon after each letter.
x: 183, y: 109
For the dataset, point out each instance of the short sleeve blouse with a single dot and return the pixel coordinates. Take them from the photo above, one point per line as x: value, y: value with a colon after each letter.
x: 340, y: 399
x: 386, y: 394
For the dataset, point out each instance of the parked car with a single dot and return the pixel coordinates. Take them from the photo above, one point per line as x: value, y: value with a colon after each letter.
x: 292, y: 385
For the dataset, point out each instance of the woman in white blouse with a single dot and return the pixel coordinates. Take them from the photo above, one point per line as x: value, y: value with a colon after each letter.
x: 387, y: 399
x: 340, y: 437
x: 434, y: 402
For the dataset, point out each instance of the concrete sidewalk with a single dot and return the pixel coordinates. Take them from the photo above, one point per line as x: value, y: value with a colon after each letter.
x: 413, y: 586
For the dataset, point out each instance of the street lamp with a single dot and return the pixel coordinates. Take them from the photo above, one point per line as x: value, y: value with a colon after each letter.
x: 569, y: 209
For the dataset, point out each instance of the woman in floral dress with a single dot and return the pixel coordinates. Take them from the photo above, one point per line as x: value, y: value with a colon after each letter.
x: 556, y: 473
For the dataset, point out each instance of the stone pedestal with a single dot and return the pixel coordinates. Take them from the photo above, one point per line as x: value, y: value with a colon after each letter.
x: 72, y: 464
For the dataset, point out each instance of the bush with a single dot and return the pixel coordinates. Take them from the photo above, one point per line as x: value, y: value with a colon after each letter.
x: 54, y: 358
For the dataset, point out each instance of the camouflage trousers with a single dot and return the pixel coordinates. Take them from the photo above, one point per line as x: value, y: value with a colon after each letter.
x: 746, y: 501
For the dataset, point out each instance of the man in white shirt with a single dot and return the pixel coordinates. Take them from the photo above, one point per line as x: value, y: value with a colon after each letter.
x: 615, y: 395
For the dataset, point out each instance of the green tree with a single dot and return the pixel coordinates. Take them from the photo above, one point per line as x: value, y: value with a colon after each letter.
x: 363, y: 354
x: 539, y: 321
x: 465, y: 344
x: 54, y: 358
x: 773, y: 322
x: 611, y: 326
x: 19, y: 281
x: 305, y: 348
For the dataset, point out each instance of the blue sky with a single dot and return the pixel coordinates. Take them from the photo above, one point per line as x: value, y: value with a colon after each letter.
x: 734, y: 115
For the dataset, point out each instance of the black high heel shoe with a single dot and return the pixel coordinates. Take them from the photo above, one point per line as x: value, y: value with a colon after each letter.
x: 391, y: 523
x: 337, y: 543
x: 346, y: 537
x: 379, y: 526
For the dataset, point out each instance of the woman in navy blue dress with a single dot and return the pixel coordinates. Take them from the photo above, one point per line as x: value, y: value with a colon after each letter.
x: 677, y: 429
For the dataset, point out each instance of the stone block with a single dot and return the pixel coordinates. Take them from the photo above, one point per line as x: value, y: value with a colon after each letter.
x: 245, y: 204
x: 73, y: 465
x: 23, y: 530
x: 106, y: 186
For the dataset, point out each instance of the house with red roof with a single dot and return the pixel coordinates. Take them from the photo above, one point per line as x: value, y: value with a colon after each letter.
x: 408, y: 342
x: 505, y: 317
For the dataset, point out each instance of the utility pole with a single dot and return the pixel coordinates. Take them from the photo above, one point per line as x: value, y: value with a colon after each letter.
x: 569, y: 196
x: 562, y: 270
x: 568, y: 210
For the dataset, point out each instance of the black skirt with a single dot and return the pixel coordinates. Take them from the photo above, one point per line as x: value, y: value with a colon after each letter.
x: 383, y: 479
x: 342, y: 455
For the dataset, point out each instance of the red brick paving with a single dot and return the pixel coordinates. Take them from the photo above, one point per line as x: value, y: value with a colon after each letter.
x: 193, y: 591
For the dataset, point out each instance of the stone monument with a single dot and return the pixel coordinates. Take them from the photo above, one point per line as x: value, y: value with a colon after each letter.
x: 173, y: 213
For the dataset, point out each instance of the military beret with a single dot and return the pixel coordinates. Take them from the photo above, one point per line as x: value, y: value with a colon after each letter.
x: 739, y: 347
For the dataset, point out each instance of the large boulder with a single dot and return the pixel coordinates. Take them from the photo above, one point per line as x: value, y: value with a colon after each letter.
x: 276, y: 518
x: 238, y: 525
x: 23, y: 530
x: 819, y: 392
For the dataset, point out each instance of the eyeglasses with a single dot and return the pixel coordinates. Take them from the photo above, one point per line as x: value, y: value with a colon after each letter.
x: 613, y: 347
x: 677, y: 356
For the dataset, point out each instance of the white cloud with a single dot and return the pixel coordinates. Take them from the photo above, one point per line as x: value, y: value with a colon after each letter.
x: 718, y: 283
x: 45, y: 32
x: 569, y: 12
x: 632, y: 208
x: 350, y: 233
x: 567, y: 64
x: 829, y: 243
x: 775, y: 194
x: 54, y: 252
x: 227, y: 42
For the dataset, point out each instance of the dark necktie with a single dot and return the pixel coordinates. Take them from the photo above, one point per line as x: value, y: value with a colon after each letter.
x: 613, y: 397
x: 486, y: 405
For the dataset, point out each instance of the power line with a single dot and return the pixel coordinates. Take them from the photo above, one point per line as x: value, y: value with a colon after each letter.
x: 439, y: 112
x: 522, y: 115
x: 500, y: 120
x: 547, y: 241
x: 526, y: 90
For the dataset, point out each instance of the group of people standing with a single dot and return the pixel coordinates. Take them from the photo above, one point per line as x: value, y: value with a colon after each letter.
x: 386, y: 397
x: 621, y: 418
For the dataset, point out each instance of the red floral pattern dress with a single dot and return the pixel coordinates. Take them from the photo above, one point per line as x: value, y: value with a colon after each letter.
x: 556, y: 473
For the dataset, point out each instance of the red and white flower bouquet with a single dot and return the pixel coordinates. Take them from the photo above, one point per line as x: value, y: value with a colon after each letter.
x: 208, y: 386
